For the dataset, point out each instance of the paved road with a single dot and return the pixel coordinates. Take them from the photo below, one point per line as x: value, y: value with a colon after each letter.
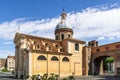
x: 106, y: 77
x: 5, y: 76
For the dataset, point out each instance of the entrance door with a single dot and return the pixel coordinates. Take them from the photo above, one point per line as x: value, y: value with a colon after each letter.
x: 77, y: 68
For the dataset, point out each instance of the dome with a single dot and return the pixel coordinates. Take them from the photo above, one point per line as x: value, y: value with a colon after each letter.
x: 63, y: 24
x: 63, y: 29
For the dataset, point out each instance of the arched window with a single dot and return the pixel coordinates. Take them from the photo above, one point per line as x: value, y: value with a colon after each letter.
x: 65, y: 59
x: 54, y: 58
x: 68, y: 35
x: 76, y: 47
x: 41, y: 57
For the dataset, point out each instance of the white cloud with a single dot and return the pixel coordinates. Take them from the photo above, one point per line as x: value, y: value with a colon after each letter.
x: 91, y: 22
x: 100, y: 38
x: 5, y: 53
x: 101, y: 23
x: 111, y: 38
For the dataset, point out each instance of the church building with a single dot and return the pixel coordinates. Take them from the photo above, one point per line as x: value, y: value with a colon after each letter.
x: 38, y: 55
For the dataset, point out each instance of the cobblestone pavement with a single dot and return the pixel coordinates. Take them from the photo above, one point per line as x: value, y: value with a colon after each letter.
x: 5, y: 76
x: 103, y: 77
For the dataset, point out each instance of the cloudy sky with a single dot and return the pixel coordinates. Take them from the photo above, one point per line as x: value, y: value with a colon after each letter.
x: 90, y: 20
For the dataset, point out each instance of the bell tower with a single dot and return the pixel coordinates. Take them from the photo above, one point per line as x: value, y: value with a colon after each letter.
x: 63, y: 29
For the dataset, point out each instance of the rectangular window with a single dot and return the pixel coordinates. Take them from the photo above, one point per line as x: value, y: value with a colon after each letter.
x: 46, y: 44
x: 50, y: 48
x: 56, y: 37
x: 97, y: 50
x: 12, y: 62
x: 61, y: 50
x: 76, y: 47
x: 62, y: 36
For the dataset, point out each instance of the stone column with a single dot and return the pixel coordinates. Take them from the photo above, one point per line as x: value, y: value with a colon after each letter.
x: 16, y: 60
x: 93, y: 66
x: 29, y: 63
x: 115, y: 64
x: 101, y: 67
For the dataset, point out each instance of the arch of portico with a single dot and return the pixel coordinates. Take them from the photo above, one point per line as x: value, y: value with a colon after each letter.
x: 97, y: 61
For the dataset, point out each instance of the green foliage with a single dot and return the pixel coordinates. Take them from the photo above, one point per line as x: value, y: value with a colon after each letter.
x: 64, y: 79
x: 5, y: 70
x: 109, y: 59
x: 33, y: 77
x: 52, y: 74
x: 45, y: 76
x: 27, y: 76
x: 52, y: 77
x: 105, y: 65
x: 12, y: 71
x: 71, y: 77
x: 56, y: 77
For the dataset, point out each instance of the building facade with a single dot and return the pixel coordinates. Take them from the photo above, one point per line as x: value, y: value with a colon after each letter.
x: 37, y: 55
x: 86, y: 60
x: 94, y: 58
x: 2, y: 63
x: 10, y: 63
x: 63, y: 55
x: 100, y: 53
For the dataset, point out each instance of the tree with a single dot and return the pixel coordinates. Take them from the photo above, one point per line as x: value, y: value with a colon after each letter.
x: 109, y: 59
x: 27, y: 77
x: 33, y: 77
x: 71, y: 77
x: 5, y: 70
x: 109, y: 62
x: 45, y: 76
x: 56, y: 77
x: 52, y: 76
x: 64, y: 79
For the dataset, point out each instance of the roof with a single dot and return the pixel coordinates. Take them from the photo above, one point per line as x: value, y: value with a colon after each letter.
x: 63, y: 23
x: 75, y: 40
x: 70, y: 39
x: 10, y: 56
x: 107, y: 44
x: 27, y: 35
x: 2, y: 59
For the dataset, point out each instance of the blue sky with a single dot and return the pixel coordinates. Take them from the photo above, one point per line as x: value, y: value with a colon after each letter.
x: 90, y: 19
x: 38, y: 9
